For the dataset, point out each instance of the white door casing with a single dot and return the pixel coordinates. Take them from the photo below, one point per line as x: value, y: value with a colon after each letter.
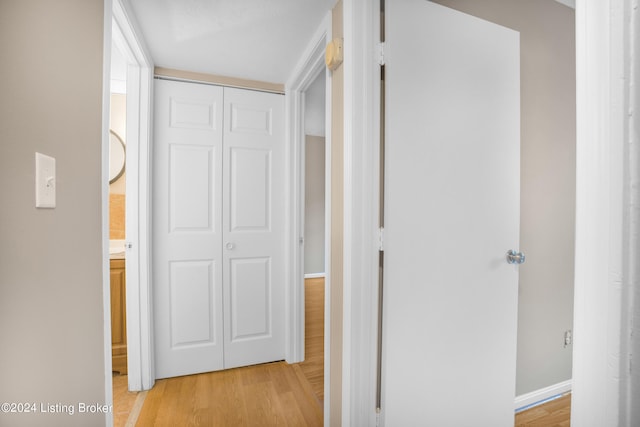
x: 451, y: 213
x: 218, y: 228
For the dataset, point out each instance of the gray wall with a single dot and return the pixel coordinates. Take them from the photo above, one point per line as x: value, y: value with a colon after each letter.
x: 547, y: 34
x: 314, y: 205
x: 314, y: 126
x: 51, y: 305
x: 314, y: 107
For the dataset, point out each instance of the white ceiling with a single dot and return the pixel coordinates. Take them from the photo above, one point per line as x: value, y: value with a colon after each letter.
x: 251, y: 39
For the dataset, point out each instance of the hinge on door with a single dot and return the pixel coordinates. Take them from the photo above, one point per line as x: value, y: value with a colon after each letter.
x: 380, y: 53
x: 128, y: 245
x: 381, y: 239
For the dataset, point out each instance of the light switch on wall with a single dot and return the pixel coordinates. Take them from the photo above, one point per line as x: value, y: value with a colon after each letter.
x: 45, y: 181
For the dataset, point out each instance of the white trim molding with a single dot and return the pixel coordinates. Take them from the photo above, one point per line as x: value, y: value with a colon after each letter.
x: 314, y: 276
x: 536, y: 397
x: 633, y: 216
x: 607, y: 216
x: 309, y: 66
x: 141, y: 372
x: 361, y: 208
x: 106, y: 276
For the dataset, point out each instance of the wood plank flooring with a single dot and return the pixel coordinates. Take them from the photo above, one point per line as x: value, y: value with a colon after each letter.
x: 556, y: 413
x: 123, y: 400
x: 313, y: 365
x: 262, y: 395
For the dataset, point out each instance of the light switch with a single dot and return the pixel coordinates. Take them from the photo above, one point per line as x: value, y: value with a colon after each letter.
x: 45, y: 181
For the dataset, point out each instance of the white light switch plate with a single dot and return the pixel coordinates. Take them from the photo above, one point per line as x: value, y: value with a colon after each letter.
x: 45, y: 181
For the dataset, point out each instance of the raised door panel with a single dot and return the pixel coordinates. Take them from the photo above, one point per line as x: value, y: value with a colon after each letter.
x: 250, y: 189
x: 192, y: 188
x: 250, y: 311
x: 192, y: 303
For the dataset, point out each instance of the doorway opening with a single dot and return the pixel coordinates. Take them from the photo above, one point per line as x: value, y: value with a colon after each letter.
x: 117, y: 207
x: 129, y: 288
x: 128, y: 241
x: 314, y: 177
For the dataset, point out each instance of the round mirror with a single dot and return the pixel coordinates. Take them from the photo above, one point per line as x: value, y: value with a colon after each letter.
x: 116, y: 157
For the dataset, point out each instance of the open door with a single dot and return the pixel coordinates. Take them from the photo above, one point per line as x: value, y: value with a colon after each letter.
x: 452, y: 185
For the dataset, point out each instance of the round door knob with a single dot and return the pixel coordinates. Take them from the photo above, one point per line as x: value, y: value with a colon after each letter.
x: 230, y: 246
x: 514, y: 257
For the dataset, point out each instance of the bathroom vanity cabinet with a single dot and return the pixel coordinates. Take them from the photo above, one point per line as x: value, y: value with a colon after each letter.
x: 118, y: 316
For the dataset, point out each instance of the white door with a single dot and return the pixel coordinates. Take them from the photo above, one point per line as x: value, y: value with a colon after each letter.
x: 187, y: 228
x: 253, y: 223
x: 217, y: 229
x: 451, y: 215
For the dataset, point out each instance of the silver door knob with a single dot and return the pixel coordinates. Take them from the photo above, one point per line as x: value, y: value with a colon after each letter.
x: 230, y: 246
x: 514, y: 257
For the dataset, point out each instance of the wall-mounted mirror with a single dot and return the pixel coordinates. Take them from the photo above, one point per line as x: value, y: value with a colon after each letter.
x: 116, y: 157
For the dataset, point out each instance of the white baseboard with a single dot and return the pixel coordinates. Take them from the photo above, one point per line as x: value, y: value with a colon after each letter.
x: 537, y: 397
x: 313, y: 275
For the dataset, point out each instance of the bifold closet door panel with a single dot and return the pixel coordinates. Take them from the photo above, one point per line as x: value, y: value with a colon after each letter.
x: 253, y: 222
x: 187, y: 228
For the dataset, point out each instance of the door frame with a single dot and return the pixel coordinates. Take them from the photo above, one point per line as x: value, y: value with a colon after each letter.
x: 362, y: 95
x: 124, y: 34
x: 607, y: 241
x: 310, y: 65
x: 308, y: 68
x: 104, y: 149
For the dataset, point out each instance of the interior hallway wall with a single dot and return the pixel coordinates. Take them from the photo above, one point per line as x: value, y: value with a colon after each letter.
x: 314, y: 205
x: 51, y: 288
x: 314, y: 127
x: 117, y: 123
x: 548, y: 150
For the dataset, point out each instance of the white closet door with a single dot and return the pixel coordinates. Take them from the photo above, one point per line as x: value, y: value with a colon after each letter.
x: 253, y: 222
x: 451, y: 215
x: 218, y: 228
x: 187, y: 228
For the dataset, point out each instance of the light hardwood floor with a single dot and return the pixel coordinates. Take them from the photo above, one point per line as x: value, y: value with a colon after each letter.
x: 126, y: 404
x: 556, y: 413
x: 273, y: 394
x: 313, y: 365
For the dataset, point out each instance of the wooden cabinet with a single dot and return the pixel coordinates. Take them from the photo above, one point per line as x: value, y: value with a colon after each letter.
x: 118, y: 317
